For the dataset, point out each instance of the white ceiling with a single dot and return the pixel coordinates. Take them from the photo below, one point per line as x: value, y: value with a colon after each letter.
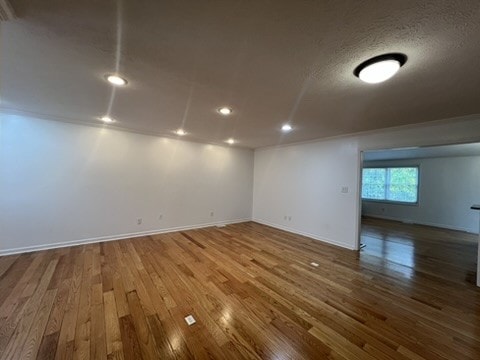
x: 424, y: 152
x: 271, y: 61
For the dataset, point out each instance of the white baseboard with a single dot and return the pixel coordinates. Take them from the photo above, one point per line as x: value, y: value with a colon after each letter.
x: 27, y: 249
x: 303, y: 233
x: 426, y: 223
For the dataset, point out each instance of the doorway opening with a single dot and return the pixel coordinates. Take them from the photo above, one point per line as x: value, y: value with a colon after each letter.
x: 415, y: 206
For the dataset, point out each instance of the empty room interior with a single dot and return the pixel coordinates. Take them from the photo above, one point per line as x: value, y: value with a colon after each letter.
x: 239, y: 179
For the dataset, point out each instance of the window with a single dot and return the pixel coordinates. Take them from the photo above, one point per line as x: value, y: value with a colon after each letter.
x: 393, y: 184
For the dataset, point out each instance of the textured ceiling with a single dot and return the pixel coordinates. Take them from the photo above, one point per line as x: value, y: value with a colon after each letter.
x: 271, y: 61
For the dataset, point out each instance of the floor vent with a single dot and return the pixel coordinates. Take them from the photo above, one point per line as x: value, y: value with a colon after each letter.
x: 190, y: 320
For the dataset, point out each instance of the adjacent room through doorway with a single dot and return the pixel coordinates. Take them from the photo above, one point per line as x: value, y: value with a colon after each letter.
x: 416, y: 215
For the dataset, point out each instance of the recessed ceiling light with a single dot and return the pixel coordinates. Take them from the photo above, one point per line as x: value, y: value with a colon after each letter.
x: 286, y: 127
x: 380, y: 68
x: 225, y: 110
x: 180, y: 132
x: 230, y: 141
x: 116, y: 80
x: 107, y: 119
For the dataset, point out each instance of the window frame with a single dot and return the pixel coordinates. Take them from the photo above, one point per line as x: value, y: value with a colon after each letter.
x: 393, y: 202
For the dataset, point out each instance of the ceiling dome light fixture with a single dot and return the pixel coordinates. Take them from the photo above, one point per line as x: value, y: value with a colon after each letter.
x: 225, y: 110
x: 116, y: 80
x: 230, y: 141
x: 286, y: 128
x: 107, y: 119
x: 180, y: 132
x: 380, y: 68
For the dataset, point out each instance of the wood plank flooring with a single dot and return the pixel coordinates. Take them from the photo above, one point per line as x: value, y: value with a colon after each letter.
x: 253, y: 293
x: 423, y: 250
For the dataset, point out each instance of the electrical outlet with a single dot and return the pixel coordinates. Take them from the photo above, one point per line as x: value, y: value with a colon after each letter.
x: 139, y: 221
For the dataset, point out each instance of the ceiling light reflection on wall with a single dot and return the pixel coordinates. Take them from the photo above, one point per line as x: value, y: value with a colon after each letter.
x: 230, y: 141
x: 180, y: 132
x: 116, y: 80
x: 225, y: 110
x: 380, y: 68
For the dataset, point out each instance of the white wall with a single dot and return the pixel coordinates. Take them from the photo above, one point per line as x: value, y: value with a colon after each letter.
x: 304, y: 181
x: 304, y: 184
x: 62, y: 182
x: 448, y: 187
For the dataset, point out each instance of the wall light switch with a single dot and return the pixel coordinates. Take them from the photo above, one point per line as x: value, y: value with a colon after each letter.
x: 344, y: 189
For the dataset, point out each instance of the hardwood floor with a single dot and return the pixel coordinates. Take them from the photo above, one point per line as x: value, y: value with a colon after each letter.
x: 424, y: 250
x: 253, y: 293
